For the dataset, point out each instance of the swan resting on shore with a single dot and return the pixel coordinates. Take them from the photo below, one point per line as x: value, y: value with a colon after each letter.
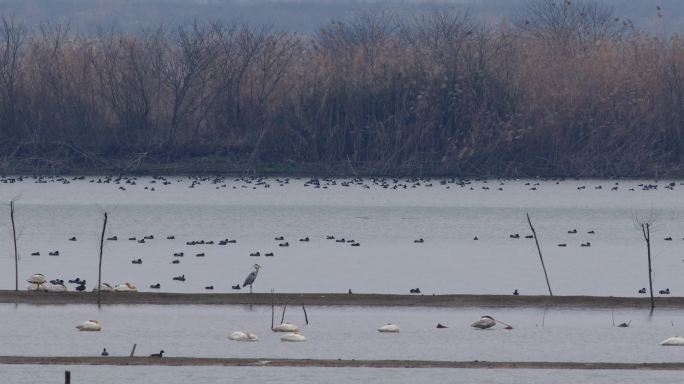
x: 293, y: 337
x: 286, y: 327
x: 104, y: 287
x: 243, y: 336
x: 90, y: 325
x: 126, y: 287
x: 673, y: 341
x: 389, y: 328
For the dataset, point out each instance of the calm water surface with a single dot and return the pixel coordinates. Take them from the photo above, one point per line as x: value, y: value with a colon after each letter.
x: 384, y: 221
x: 210, y: 375
x: 344, y: 333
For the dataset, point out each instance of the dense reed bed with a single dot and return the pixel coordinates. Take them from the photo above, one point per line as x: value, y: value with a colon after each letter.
x: 564, y: 88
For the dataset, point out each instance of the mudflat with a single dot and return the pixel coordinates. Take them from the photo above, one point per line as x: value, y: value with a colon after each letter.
x: 337, y: 299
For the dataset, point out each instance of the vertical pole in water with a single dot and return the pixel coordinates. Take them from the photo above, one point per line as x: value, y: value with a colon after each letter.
x: 272, y: 309
x: 534, y: 233
x: 67, y: 377
x: 133, y: 350
x: 646, y: 229
x: 16, y: 254
x: 306, y: 318
x: 99, y: 270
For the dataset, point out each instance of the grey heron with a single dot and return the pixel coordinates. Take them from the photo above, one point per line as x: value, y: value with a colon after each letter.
x: 251, y: 277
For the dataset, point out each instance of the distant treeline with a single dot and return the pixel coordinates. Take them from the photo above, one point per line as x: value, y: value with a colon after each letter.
x: 566, y: 88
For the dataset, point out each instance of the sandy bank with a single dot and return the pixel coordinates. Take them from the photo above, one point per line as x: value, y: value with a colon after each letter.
x: 233, y: 362
x: 334, y: 299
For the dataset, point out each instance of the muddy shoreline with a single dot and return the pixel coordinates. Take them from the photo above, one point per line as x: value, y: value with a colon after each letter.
x: 336, y: 299
x: 239, y: 362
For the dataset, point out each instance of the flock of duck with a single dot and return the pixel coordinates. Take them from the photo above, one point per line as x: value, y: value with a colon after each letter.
x: 125, y: 182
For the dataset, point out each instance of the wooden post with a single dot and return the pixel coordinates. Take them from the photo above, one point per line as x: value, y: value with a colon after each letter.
x: 16, y: 254
x: 272, y: 309
x: 646, y: 230
x: 133, y: 350
x: 67, y: 377
x: 282, y: 318
x: 99, y: 269
x: 306, y: 318
x: 534, y: 233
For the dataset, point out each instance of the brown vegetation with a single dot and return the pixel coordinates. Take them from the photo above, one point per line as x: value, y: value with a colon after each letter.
x: 567, y: 89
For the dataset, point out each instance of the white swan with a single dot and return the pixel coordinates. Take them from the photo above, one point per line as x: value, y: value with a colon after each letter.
x: 673, y: 341
x: 294, y: 336
x: 392, y: 328
x: 484, y: 322
x: 286, y: 327
x: 54, y: 288
x: 126, y: 287
x: 90, y: 325
x: 104, y: 287
x: 37, y: 278
x: 243, y: 336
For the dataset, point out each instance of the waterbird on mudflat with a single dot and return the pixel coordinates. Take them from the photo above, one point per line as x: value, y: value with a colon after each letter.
x: 113, y: 238
x: 304, y: 239
x: 285, y: 244
x: 268, y: 254
x: 516, y: 293
x: 236, y: 286
x: 666, y: 291
x: 155, y: 286
x: 160, y: 354
x: 172, y: 237
x: 72, y: 238
x: 138, y: 261
x: 642, y: 290
x: 251, y: 277
x: 179, y: 278
x: 104, y: 352
x: 440, y: 326
x: 255, y: 254
x: 419, y: 240
x: 668, y: 238
x: 279, y: 238
x: 414, y: 290
x: 209, y: 287
x: 175, y: 262
x: 55, y: 253
x: 514, y: 236
x: 587, y: 244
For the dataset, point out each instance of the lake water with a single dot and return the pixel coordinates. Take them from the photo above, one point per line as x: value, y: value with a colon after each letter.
x: 344, y: 333
x: 384, y: 221
x: 211, y: 375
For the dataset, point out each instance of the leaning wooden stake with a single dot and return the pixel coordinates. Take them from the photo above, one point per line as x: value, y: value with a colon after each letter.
x: 16, y: 254
x: 67, y: 377
x: 133, y: 350
x: 99, y: 269
x: 534, y: 233
x: 306, y: 318
x: 282, y: 318
x: 646, y: 230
